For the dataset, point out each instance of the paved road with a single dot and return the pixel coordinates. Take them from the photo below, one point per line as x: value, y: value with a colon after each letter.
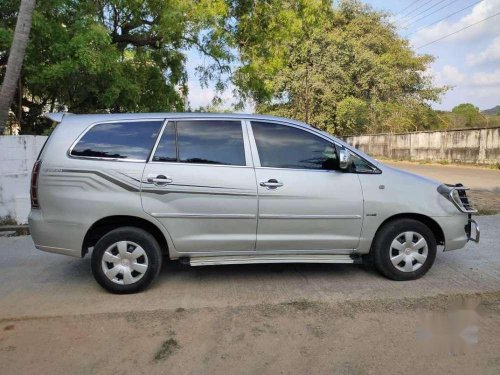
x: 38, y: 284
x: 474, y: 177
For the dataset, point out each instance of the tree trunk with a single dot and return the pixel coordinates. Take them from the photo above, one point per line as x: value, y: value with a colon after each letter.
x: 15, y: 61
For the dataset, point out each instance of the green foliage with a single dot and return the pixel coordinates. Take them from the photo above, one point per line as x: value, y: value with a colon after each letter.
x: 337, y: 65
x: 352, y: 114
x: 310, y: 60
x: 91, y: 56
x: 468, y: 112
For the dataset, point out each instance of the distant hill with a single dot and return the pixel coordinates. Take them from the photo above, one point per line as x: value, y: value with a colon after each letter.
x: 492, y: 111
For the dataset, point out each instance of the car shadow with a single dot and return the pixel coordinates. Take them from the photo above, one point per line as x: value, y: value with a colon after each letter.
x: 174, y: 269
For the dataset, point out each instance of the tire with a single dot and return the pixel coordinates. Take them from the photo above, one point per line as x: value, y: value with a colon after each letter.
x: 126, y: 260
x: 408, y: 260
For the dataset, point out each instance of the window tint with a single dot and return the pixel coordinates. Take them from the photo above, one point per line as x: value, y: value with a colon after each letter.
x: 282, y: 146
x: 205, y: 142
x: 359, y: 165
x: 167, y: 150
x: 119, y: 140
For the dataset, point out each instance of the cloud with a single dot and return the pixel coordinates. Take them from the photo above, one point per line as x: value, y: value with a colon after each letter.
x: 448, y: 76
x: 485, y: 78
x: 202, y: 96
x: 477, y: 13
x: 452, y: 75
x: 481, y: 83
x: 199, y: 96
x: 490, y: 54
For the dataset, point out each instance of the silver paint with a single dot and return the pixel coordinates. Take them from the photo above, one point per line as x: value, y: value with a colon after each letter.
x: 219, y: 210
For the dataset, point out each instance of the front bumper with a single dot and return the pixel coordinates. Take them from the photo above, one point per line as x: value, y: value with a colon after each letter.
x: 472, y: 230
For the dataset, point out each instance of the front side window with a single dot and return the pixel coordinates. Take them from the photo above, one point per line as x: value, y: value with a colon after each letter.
x: 202, y: 142
x: 282, y: 146
x: 119, y: 140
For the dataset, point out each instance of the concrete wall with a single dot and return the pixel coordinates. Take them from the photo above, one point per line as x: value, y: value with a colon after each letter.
x: 17, y: 156
x: 479, y: 146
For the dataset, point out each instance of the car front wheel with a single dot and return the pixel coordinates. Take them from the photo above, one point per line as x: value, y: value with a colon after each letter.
x: 404, y: 249
x: 126, y: 260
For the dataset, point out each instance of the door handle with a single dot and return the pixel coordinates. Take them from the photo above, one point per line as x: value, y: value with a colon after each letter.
x: 271, y: 183
x: 159, y: 180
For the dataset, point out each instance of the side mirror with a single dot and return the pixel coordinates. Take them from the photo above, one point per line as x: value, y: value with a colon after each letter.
x: 344, y: 159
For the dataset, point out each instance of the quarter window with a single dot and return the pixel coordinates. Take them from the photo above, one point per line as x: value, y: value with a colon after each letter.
x: 119, y: 140
x: 282, y: 146
x: 202, y: 142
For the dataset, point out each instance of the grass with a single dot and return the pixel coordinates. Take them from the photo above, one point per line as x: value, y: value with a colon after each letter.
x: 486, y: 211
x: 168, y: 347
x: 300, y: 304
x: 7, y: 220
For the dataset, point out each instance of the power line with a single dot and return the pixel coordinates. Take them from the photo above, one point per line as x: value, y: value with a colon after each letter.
x: 442, y: 19
x: 437, y: 10
x: 417, y: 8
x: 455, y: 32
x: 402, y: 10
x: 425, y: 10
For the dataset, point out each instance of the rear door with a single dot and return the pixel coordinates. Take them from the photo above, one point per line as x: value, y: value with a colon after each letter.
x: 200, y: 184
x: 305, y: 202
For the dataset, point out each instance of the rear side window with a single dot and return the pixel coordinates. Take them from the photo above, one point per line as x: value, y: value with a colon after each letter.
x: 119, y: 140
x: 282, y: 146
x: 202, y: 142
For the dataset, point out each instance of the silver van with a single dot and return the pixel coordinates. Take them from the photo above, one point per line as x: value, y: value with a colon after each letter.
x: 210, y: 189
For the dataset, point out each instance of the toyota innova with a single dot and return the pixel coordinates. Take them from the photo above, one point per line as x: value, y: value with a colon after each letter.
x: 135, y: 190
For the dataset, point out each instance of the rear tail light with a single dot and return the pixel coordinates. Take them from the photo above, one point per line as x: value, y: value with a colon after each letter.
x: 34, y: 184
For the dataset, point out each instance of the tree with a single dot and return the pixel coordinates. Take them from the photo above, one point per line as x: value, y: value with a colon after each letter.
x: 468, y: 112
x: 311, y: 60
x: 15, y: 60
x: 91, y: 56
x: 339, y: 66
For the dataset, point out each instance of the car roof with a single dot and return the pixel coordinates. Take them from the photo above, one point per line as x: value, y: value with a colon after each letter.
x: 58, y: 116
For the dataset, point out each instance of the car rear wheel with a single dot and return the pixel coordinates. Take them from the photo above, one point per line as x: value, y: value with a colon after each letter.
x: 404, y: 249
x: 126, y: 260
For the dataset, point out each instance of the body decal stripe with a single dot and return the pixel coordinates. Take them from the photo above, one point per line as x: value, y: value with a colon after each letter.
x: 130, y: 187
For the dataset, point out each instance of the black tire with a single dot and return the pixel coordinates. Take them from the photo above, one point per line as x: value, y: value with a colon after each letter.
x: 135, y: 235
x: 382, y: 249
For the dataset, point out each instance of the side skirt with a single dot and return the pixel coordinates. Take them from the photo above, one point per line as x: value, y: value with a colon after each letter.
x: 260, y: 259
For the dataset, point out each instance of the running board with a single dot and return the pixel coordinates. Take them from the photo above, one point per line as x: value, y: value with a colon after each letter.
x: 259, y: 259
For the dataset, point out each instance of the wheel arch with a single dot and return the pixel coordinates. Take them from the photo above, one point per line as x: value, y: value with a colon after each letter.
x: 108, y: 223
x: 428, y: 221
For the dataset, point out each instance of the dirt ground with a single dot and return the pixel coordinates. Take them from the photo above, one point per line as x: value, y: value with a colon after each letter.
x: 260, y: 319
x: 437, y: 335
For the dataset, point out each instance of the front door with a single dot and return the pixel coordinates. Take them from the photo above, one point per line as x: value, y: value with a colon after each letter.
x: 199, y: 185
x: 305, y: 201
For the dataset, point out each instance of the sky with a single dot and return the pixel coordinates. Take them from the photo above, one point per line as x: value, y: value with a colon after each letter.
x: 469, y: 60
